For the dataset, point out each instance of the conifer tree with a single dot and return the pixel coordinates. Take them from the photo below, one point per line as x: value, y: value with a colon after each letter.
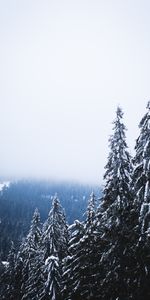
x: 73, y: 263
x: 141, y: 175
x: 1, y: 266
x: 31, y: 255
x: 2, y: 280
x: 89, y: 274
x: 55, y: 247
x: 55, y: 231
x: 115, y: 215
x: 53, y: 279
x: 20, y: 266
x: 8, y: 284
x: 141, y: 185
x: 81, y: 264
x: 118, y: 168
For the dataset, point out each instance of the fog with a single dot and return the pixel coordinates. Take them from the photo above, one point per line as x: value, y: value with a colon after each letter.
x: 65, y: 66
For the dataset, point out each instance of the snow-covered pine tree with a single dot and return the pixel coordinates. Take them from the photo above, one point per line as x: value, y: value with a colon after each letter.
x: 8, y: 284
x: 141, y: 175
x: 118, y: 168
x: 91, y: 257
x: 53, y: 279
x: 55, y: 248
x: 73, y: 262
x: 114, y: 215
x: 2, y: 280
x: 32, y: 258
x: 141, y: 184
x: 20, y: 276
x: 55, y: 231
x: 81, y: 264
x: 1, y: 272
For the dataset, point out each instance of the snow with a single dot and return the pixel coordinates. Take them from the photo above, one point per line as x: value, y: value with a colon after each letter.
x: 146, y: 191
x: 5, y: 263
x: 145, y: 148
x: 4, y: 184
x: 50, y: 258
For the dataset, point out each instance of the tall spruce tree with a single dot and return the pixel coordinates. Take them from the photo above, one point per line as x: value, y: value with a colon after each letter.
x: 73, y: 263
x: 55, y: 231
x: 8, y: 284
x: 89, y: 273
x: 80, y: 266
x: 115, y: 216
x: 141, y: 175
x: 32, y: 260
x: 141, y: 184
x: 20, y: 269
x: 55, y: 248
x: 118, y: 168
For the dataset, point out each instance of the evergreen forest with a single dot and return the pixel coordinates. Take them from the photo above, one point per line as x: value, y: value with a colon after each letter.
x: 19, y: 199
x: 103, y: 256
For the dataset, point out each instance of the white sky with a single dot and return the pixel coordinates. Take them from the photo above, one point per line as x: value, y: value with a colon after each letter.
x: 64, y: 67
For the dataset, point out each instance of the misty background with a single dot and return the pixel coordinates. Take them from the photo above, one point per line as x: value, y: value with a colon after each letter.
x: 65, y: 66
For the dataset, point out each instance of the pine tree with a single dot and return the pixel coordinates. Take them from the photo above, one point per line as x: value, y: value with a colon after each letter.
x: 32, y: 260
x: 55, y: 231
x: 81, y: 263
x: 141, y: 185
x: 88, y: 279
x: 141, y: 175
x: 53, y: 275
x: 9, y: 278
x: 114, y: 215
x: 2, y: 280
x: 55, y: 247
x: 10, y: 273
x: 118, y: 168
x: 73, y: 262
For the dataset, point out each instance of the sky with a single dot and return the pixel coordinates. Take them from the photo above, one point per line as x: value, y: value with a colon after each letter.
x: 64, y: 68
